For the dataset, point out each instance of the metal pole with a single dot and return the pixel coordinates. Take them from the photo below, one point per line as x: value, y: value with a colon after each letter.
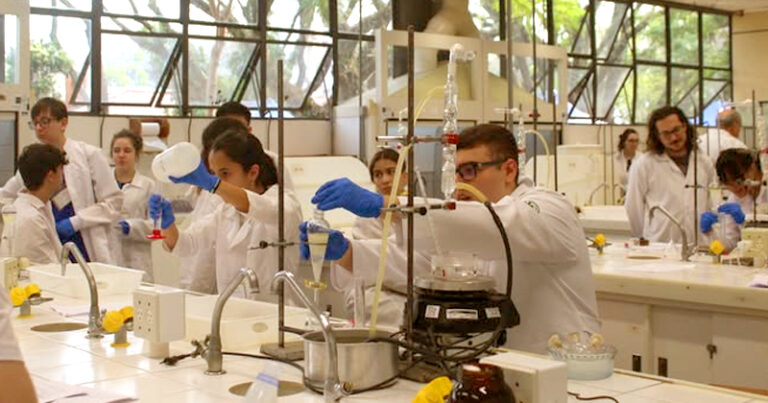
x: 535, y: 103
x: 510, y: 70
x: 409, y: 141
x: 695, y: 187
x: 280, y: 207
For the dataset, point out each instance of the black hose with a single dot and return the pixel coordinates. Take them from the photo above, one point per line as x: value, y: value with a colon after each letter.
x: 507, y: 249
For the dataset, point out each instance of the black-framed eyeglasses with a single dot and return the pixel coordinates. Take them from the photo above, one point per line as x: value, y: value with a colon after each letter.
x: 468, y: 171
x: 42, y: 122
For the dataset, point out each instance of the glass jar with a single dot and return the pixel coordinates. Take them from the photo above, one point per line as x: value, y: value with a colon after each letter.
x: 481, y: 383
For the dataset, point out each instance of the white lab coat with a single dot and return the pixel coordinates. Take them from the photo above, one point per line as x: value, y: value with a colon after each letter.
x: 733, y: 230
x: 655, y: 179
x: 135, y: 250
x: 391, y: 302
x: 620, y: 167
x: 235, y: 238
x: 552, y: 289
x: 9, y: 348
x: 198, y: 268
x: 36, y: 237
x: 716, y: 141
x: 95, y: 196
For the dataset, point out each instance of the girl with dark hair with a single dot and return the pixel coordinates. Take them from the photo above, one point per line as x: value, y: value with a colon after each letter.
x: 128, y: 239
x: 382, y: 171
x: 245, y: 178
x: 629, y: 141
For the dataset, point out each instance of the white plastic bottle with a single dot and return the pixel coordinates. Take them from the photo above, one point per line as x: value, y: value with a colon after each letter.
x: 176, y: 161
x: 265, y: 385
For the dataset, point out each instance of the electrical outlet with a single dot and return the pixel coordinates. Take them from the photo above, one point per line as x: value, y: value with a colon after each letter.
x: 533, y: 378
x: 158, y: 313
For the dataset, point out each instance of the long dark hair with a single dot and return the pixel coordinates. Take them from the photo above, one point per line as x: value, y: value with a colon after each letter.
x: 246, y: 150
x: 384, y: 154
x: 136, y: 141
x: 624, y: 136
x: 654, y: 143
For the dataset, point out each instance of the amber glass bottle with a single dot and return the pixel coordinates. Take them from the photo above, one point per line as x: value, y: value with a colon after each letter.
x: 481, y: 383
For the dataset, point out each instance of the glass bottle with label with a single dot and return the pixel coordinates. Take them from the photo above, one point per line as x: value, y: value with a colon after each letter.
x: 481, y: 383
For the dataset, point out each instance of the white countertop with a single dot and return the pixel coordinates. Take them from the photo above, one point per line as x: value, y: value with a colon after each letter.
x: 671, y: 279
x: 71, y: 358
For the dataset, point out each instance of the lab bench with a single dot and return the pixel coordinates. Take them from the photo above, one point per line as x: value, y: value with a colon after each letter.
x: 71, y: 358
x: 696, y: 321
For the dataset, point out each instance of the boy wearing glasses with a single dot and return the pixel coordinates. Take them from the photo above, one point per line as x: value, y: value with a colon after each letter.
x: 552, y: 289
x: 664, y: 176
x: 89, y: 201
x: 739, y: 171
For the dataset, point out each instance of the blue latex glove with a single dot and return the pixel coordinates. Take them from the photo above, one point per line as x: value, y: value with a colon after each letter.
x: 734, y: 210
x: 65, y: 229
x: 125, y: 227
x: 200, y: 177
x: 708, y: 219
x: 337, y: 244
x: 346, y: 194
x: 160, y: 208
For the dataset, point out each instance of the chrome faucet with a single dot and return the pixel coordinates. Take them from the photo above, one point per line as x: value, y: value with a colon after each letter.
x: 94, y: 315
x: 595, y: 190
x: 686, y: 251
x: 213, y: 354
x: 333, y: 390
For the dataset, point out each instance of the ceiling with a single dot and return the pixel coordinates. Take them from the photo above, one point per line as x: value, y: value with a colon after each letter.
x: 738, y: 6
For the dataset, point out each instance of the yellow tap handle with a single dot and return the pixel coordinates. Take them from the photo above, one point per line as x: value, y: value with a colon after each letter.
x: 18, y: 296
x: 112, y: 322
x: 32, y: 289
x: 127, y: 312
x: 716, y: 247
x: 599, y: 240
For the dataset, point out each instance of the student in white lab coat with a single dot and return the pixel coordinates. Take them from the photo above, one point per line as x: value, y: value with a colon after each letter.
x: 552, y: 289
x: 664, y: 176
x: 89, y: 204
x: 42, y: 168
x: 739, y: 171
x: 627, y: 152
x: 17, y: 386
x: 129, y: 239
x: 246, y: 180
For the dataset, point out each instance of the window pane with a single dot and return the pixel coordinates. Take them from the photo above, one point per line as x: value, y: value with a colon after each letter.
x: 80, y: 5
x: 622, y: 109
x: 215, y: 66
x: 610, y: 80
x: 59, y: 48
x: 376, y: 14
x: 684, y: 30
x: 485, y: 15
x: 685, y: 90
x: 223, y: 32
x: 568, y: 16
x: 650, y: 32
x: 9, y: 32
x: 523, y: 18
x: 145, y: 8
x: 651, y: 91
x: 240, y: 12
x: 716, y: 40
x: 349, y: 69
x: 132, y: 66
x: 609, y: 24
x: 295, y: 14
x: 300, y: 66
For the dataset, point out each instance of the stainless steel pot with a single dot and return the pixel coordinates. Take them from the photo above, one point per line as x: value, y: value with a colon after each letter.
x: 361, y: 364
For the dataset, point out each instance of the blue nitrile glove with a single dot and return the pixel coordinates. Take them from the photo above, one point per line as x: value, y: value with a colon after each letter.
x: 337, y: 244
x: 160, y: 208
x: 200, y: 177
x: 734, y: 210
x: 708, y: 219
x: 346, y: 194
x: 125, y: 227
x: 65, y: 229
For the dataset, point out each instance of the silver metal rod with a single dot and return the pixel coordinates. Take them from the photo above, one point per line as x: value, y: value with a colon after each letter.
x: 695, y: 185
x: 94, y: 315
x: 280, y: 206
x: 411, y: 187
x: 510, y: 69
x: 415, y: 139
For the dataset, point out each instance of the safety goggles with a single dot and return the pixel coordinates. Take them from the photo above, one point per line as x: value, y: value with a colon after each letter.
x: 468, y: 171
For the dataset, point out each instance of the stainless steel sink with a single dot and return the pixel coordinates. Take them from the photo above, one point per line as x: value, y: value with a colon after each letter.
x: 59, y: 327
x: 284, y: 388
